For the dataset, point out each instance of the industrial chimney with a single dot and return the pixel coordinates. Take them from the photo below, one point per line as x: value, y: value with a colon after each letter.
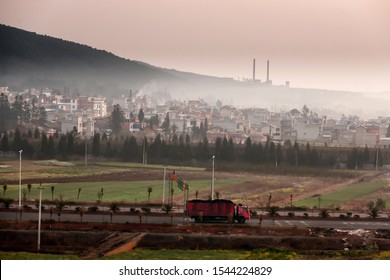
x: 267, y: 71
x: 254, y: 69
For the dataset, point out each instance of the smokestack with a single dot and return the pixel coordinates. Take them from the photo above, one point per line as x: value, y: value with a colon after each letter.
x: 254, y: 69
x: 267, y: 70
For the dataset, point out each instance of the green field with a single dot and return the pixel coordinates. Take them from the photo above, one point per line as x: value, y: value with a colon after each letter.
x: 350, y: 192
x: 127, y: 191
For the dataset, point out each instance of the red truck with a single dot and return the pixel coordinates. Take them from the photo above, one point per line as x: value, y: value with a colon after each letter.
x: 218, y: 209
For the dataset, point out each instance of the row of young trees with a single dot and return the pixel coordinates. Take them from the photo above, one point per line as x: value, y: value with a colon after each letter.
x: 181, y: 149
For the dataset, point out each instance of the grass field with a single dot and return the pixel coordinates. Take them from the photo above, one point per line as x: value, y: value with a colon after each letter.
x: 128, y: 191
x: 340, y: 196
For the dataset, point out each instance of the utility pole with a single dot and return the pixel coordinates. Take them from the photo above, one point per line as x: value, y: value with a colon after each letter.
x: 212, y: 180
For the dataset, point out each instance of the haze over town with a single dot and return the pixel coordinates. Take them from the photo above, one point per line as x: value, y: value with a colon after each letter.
x: 340, y: 45
x: 326, y: 45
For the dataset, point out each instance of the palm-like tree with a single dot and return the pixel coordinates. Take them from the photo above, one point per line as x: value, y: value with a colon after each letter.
x: 52, y: 193
x: 273, y: 212
x: 114, y: 207
x: 167, y: 208
x: 78, y: 194
x: 29, y: 186
x: 5, y: 187
x: 150, y: 189
x: 324, y: 213
x: 374, y: 212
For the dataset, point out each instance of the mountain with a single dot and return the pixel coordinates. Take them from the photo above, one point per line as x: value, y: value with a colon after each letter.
x: 30, y: 60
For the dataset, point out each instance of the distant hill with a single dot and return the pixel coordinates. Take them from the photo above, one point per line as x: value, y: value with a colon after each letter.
x: 28, y: 60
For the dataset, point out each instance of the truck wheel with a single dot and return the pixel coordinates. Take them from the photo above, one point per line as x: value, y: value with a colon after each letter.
x: 241, y: 220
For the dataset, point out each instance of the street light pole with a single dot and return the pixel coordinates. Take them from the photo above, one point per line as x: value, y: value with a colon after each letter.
x: 20, y: 180
x: 212, y: 181
x: 377, y: 157
x: 86, y: 152
x: 165, y: 172
x: 39, y: 217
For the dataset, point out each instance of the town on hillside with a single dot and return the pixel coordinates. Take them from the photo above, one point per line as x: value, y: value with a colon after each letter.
x: 142, y: 116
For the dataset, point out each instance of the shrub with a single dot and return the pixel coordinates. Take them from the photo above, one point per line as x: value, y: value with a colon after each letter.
x: 167, y: 208
x: 291, y: 214
x: 93, y: 209
x: 6, y: 202
x: 342, y: 216
x: 146, y: 209
x: 356, y: 216
x: 27, y: 207
x: 306, y: 215
x: 132, y: 210
x: 114, y: 207
x: 324, y: 213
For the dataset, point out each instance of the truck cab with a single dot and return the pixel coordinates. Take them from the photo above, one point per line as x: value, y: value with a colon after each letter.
x: 243, y: 213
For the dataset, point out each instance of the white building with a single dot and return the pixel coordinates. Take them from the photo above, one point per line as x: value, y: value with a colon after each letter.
x: 85, y: 125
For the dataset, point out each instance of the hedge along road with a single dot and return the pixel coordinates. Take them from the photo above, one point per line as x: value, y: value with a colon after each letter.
x: 179, y: 220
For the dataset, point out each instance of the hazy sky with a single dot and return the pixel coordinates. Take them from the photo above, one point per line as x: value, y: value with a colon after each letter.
x: 334, y: 44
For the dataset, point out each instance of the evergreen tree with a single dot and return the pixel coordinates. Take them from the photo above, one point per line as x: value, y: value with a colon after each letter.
x: 126, y: 150
x: 218, y: 147
x: 308, y: 153
x: 70, y: 143
x: 116, y: 120
x: 188, y: 151
x: 133, y: 148
x: 314, y: 158
x: 17, y: 110
x: 353, y: 159
x: 109, y: 152
x: 154, y: 121
x: 51, y: 149
x: 201, y: 130
x: 37, y: 134
x: 26, y: 113
x: 44, y: 143
x: 4, y: 143
x: 366, y: 155
x: 225, y: 149
x: 17, y: 143
x: 166, y: 123
x: 248, y: 153
x: 62, y: 147
x: 205, y: 149
x: 155, y: 148
x: 5, y: 112
x: 272, y: 153
x: 42, y: 116
x: 279, y: 153
x: 96, y: 145
x: 231, y: 150
x: 141, y: 115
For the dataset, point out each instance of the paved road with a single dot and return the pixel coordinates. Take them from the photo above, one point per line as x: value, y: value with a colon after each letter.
x: 104, y: 217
